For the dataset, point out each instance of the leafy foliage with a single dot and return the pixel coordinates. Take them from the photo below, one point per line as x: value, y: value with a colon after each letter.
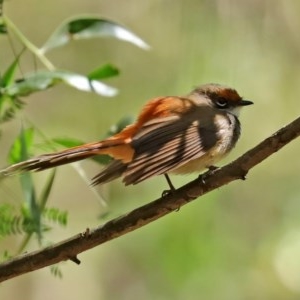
x: 56, y: 271
x: 14, y: 221
x: 55, y: 215
x: 42, y: 80
x: 9, y: 222
x: 3, y: 28
x: 9, y: 104
x: 106, y: 71
x: 90, y: 27
x: 33, y: 217
x: 77, y: 28
x: 19, y: 148
x: 34, y: 211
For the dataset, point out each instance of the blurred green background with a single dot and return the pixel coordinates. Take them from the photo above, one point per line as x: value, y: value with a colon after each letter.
x: 239, y: 242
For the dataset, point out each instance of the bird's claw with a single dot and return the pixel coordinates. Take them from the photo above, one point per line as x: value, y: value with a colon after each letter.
x: 211, y: 170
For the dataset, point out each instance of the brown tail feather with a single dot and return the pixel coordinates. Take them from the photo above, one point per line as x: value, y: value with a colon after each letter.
x: 51, y: 160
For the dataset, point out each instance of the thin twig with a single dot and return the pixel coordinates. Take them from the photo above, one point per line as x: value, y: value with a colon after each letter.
x: 70, y: 248
x: 30, y: 46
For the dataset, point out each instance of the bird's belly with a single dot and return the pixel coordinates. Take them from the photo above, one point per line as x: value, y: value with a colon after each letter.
x: 205, y: 161
x: 200, y: 163
x: 228, y: 135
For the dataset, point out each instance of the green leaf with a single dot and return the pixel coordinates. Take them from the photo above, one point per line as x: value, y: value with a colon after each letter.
x: 67, y: 142
x: 46, y: 190
x: 87, y: 27
x: 11, y: 225
x: 43, y: 80
x: 8, y: 107
x: 18, y: 151
x: 102, y: 159
x: 8, y: 75
x: 9, y: 104
x: 56, y: 215
x: 3, y: 28
x: 31, y: 209
x: 103, y: 72
x: 9, y: 222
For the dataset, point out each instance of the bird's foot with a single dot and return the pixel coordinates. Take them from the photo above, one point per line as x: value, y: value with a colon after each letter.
x: 210, y: 171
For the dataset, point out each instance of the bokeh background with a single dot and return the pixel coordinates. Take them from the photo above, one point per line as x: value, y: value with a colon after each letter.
x: 239, y: 242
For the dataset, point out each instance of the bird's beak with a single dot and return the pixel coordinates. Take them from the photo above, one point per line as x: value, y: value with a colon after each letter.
x: 245, y: 102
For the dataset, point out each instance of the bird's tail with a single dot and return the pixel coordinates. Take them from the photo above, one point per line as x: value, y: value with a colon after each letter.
x: 112, y: 147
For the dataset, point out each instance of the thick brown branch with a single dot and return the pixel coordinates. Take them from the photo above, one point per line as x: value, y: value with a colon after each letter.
x: 69, y: 249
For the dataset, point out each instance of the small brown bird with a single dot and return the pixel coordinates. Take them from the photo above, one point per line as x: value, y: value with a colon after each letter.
x: 171, y: 135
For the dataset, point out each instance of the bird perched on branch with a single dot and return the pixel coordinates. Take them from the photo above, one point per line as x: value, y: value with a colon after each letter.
x: 171, y: 135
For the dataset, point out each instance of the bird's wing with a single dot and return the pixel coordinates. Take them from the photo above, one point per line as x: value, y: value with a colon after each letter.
x: 114, y: 170
x: 166, y: 143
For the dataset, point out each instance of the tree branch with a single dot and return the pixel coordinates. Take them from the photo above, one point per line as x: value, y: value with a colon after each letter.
x: 70, y: 248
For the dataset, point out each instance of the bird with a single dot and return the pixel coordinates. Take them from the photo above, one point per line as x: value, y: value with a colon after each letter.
x: 171, y: 135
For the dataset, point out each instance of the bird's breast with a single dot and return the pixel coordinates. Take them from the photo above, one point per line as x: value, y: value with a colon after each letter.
x: 227, y: 132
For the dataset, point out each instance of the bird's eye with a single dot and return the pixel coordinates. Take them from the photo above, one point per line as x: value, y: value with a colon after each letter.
x: 222, y: 103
